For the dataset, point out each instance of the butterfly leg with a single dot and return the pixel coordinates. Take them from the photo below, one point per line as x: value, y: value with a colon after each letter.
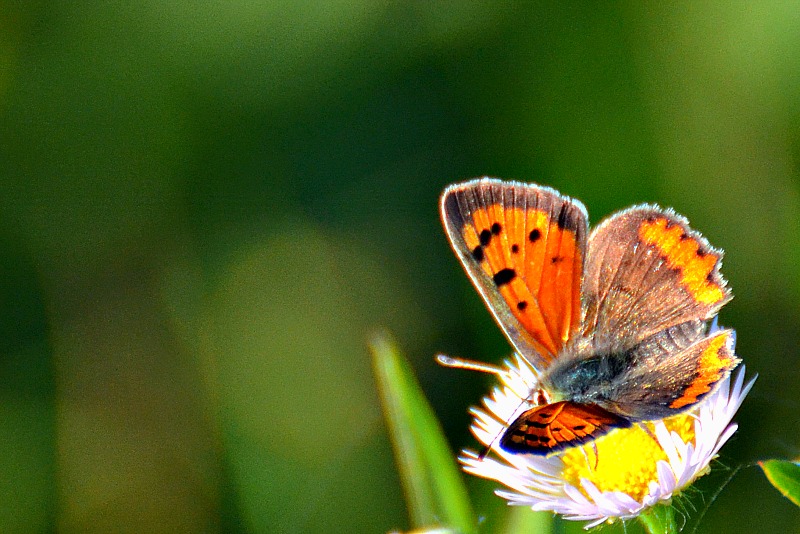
x: 647, y: 431
x: 589, y: 465
x: 586, y: 457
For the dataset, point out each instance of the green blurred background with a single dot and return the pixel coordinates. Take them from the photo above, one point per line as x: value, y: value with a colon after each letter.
x: 206, y: 207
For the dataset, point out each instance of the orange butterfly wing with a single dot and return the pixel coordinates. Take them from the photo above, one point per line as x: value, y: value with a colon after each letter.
x: 523, y: 246
x: 554, y: 427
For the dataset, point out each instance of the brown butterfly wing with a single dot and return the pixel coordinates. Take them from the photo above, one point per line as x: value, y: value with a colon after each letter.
x: 523, y: 246
x: 554, y: 427
x: 647, y: 271
x: 666, y: 382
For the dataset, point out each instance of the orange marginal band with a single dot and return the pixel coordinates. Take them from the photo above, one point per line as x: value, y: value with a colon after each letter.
x: 686, y: 254
x: 715, y: 361
x: 536, y: 266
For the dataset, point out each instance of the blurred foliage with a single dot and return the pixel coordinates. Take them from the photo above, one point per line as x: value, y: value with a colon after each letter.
x: 204, y: 208
x: 432, y: 483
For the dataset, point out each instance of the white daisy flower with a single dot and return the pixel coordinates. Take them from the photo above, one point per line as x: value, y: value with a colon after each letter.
x: 631, y: 472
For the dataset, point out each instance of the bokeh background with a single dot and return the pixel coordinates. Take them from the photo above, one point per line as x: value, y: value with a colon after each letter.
x: 206, y: 207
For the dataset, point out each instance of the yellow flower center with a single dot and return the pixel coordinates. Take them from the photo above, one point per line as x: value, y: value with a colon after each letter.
x: 626, y: 458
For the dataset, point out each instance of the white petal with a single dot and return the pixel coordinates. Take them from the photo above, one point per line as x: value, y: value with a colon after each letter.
x: 666, y: 479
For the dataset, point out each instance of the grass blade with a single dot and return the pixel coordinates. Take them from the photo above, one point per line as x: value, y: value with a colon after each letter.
x: 432, y: 482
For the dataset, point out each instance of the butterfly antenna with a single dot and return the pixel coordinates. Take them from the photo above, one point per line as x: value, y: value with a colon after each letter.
x: 459, y: 363
x: 472, y: 365
x: 487, y: 448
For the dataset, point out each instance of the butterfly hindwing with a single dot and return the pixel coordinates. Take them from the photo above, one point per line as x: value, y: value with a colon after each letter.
x: 664, y: 382
x: 523, y: 246
x: 554, y: 427
x: 647, y: 271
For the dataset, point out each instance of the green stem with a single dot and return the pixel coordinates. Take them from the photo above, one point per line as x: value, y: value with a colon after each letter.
x: 660, y: 519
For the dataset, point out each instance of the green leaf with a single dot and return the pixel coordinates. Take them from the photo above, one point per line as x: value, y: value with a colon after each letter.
x: 432, y: 482
x: 785, y: 476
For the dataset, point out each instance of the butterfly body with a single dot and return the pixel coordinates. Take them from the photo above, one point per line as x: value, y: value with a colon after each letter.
x: 589, y: 379
x: 616, y: 322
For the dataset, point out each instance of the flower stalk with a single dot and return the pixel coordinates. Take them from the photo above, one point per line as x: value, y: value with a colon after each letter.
x: 659, y: 519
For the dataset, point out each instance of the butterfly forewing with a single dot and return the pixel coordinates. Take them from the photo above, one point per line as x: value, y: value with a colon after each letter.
x: 647, y: 271
x: 523, y: 246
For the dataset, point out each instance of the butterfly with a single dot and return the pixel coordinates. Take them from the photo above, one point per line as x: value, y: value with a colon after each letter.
x: 615, y: 321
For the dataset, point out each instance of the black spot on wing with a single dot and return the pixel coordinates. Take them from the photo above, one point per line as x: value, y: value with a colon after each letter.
x: 504, y: 276
x: 485, y: 237
x: 496, y: 228
x: 477, y: 253
x: 535, y: 235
